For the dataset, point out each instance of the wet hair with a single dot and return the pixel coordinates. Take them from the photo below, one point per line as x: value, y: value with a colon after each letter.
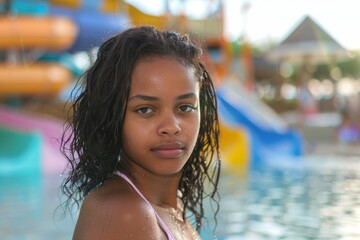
x: 92, y: 141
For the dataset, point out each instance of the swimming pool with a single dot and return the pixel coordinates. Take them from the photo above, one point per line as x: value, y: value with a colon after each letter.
x: 318, y: 198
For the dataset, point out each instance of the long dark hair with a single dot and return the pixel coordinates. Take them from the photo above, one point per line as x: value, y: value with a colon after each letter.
x: 92, y: 138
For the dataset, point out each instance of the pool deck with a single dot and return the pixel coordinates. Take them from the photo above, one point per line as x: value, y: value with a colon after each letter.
x: 335, y: 149
x: 320, y: 134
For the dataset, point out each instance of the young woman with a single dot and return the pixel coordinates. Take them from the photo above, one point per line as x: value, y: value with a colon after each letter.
x: 143, y: 140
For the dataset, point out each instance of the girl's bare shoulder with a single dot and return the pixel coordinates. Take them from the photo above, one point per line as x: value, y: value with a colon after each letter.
x: 115, y: 211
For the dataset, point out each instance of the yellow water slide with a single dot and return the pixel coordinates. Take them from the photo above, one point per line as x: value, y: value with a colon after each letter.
x: 22, y: 33
x: 209, y: 29
x: 234, y: 147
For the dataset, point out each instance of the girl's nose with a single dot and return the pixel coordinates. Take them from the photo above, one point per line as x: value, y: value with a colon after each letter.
x: 169, y: 125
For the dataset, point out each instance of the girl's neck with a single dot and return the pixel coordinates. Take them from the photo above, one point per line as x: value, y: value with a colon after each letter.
x: 160, y: 190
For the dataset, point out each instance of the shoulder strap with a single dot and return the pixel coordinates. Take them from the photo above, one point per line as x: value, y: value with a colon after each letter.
x: 162, y: 224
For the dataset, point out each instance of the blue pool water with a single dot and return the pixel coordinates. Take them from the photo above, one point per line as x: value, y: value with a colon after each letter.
x: 318, y: 198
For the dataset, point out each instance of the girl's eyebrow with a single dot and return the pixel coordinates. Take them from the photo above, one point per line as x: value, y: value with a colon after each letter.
x: 154, y: 99
x: 185, y: 96
x: 144, y: 97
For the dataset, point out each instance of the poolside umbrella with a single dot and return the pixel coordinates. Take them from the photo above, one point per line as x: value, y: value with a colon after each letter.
x: 309, y: 44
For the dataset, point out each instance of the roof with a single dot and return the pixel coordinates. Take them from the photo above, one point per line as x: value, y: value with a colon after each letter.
x: 307, y: 42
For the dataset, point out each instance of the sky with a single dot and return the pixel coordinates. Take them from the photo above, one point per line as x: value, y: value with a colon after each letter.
x: 265, y: 21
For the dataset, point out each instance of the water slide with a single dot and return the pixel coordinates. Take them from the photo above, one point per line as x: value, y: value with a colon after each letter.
x: 23, y: 33
x: 210, y: 28
x: 250, y: 131
x: 20, y: 152
x: 48, y: 30
x: 94, y: 26
x: 29, y: 144
x: 269, y: 138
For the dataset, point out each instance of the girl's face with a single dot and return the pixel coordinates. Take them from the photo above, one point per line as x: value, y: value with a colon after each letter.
x: 162, y: 116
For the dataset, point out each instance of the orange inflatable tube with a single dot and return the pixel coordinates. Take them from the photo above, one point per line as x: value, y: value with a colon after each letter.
x: 33, y: 79
x: 46, y: 32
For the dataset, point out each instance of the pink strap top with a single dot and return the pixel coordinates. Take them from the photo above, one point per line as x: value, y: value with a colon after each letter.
x: 162, y: 224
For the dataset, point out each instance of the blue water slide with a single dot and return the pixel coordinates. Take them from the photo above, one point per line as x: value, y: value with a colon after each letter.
x: 94, y: 26
x: 271, y: 139
x: 19, y: 7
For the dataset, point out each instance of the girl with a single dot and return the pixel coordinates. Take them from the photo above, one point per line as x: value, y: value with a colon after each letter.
x: 143, y: 139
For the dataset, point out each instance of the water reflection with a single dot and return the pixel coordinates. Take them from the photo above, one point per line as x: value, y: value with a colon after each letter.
x: 317, y: 199
x: 27, y: 207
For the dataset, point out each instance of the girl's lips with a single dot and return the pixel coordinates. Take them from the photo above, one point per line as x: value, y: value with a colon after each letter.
x: 169, y: 150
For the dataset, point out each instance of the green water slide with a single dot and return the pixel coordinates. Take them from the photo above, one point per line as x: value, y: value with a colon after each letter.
x: 20, y: 152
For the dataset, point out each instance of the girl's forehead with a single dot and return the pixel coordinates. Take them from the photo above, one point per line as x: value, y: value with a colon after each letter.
x: 151, y: 58
x: 158, y: 74
x: 154, y: 64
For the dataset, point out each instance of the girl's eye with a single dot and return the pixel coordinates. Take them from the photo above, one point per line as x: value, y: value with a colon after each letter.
x: 187, y: 108
x: 144, y: 110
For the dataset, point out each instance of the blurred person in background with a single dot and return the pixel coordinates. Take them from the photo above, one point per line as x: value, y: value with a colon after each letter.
x: 347, y: 131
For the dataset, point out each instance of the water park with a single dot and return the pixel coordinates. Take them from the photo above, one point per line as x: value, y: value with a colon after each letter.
x: 278, y: 180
